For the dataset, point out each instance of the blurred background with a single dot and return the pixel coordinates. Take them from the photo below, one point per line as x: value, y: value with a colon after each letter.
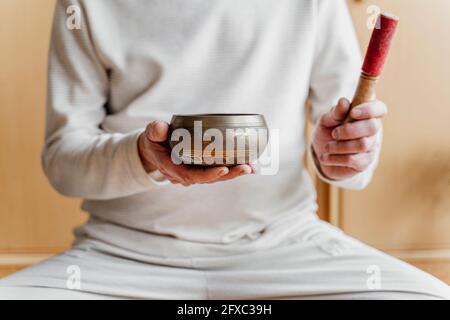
x: 405, y: 211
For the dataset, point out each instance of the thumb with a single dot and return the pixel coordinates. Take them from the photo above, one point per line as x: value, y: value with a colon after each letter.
x: 336, y: 115
x: 157, y: 131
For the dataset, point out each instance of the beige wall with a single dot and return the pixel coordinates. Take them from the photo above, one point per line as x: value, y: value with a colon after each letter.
x: 405, y: 211
x: 34, y: 219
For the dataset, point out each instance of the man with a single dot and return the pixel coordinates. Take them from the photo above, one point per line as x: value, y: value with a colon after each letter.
x: 159, y: 230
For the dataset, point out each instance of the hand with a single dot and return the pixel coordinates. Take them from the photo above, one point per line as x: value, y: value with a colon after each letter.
x: 345, y: 149
x: 155, y: 155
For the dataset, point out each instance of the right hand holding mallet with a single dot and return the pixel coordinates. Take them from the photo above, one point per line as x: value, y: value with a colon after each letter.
x: 345, y: 139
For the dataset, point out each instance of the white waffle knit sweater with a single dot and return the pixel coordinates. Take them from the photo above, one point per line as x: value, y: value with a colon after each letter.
x: 135, y: 61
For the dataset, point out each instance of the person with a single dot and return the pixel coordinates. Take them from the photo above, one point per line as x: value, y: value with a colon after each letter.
x: 157, y: 230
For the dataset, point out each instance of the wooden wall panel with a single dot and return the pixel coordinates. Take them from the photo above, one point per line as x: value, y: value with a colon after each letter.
x: 34, y: 219
x: 407, y: 206
x: 409, y: 203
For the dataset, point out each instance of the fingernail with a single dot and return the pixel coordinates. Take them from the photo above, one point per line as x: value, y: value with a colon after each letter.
x: 356, y: 113
x: 223, y: 172
x: 156, y: 122
x: 334, y: 134
x: 246, y: 170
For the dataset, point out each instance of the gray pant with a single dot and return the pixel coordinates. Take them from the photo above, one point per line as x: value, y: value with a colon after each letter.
x: 318, y: 263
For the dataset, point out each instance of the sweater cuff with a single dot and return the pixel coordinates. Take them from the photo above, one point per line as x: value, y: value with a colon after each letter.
x: 135, y: 165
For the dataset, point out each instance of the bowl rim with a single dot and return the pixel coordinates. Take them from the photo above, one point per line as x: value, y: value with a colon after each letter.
x: 218, y: 119
x: 216, y: 114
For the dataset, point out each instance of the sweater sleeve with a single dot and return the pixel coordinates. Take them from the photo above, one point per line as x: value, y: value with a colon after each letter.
x: 335, y: 74
x: 79, y: 159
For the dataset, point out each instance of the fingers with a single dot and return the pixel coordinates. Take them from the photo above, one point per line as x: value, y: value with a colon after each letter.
x: 344, y: 149
x: 253, y: 167
x: 237, y: 171
x: 356, y: 130
x: 358, y: 162
x: 374, y: 109
x: 338, y: 173
x: 187, y: 176
x: 157, y: 131
x: 191, y: 175
x: 351, y: 146
x: 202, y: 175
x: 336, y: 115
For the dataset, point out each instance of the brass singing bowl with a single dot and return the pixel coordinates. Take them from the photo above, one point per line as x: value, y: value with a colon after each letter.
x: 245, y: 135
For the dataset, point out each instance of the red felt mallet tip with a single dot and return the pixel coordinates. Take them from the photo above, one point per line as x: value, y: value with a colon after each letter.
x: 379, y: 44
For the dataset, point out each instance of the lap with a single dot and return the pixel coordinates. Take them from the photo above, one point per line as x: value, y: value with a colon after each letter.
x: 318, y: 263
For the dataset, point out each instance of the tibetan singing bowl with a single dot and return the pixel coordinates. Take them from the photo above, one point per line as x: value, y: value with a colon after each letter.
x: 218, y: 138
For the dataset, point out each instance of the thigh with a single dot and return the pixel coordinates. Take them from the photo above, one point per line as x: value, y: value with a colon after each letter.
x: 82, y: 270
x: 320, y: 262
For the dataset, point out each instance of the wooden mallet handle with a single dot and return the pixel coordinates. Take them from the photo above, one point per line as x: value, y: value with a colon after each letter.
x: 375, y: 58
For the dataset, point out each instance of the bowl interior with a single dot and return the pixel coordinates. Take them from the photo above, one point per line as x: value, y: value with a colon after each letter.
x: 219, y: 120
